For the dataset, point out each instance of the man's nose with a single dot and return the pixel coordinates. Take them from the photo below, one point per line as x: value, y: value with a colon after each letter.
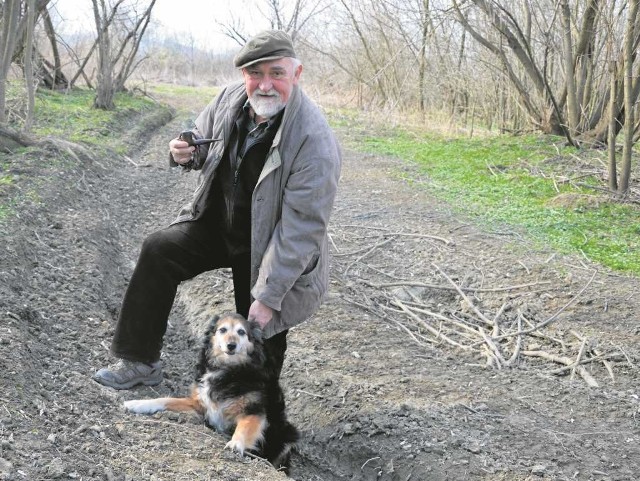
x: 265, y: 83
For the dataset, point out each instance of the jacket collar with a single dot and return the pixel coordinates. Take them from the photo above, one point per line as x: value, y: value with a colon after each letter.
x: 290, y: 111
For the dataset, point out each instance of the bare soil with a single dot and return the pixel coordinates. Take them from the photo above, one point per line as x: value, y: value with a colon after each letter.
x: 375, y: 392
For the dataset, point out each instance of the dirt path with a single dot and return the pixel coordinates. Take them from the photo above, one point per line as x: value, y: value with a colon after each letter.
x: 371, y: 397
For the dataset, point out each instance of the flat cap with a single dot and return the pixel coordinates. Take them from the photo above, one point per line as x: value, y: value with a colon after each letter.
x: 267, y: 45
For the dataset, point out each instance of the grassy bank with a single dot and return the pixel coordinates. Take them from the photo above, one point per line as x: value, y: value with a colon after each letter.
x: 528, y: 183
x: 70, y: 115
x: 26, y: 172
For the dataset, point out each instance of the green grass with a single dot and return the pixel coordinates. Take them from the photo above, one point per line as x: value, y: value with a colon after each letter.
x: 189, y: 101
x: 184, y: 91
x: 6, y: 180
x: 71, y: 116
x: 491, y: 179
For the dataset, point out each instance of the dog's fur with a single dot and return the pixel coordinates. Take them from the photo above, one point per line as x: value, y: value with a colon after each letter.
x: 235, y: 392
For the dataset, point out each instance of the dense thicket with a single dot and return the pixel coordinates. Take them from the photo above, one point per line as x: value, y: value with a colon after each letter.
x: 559, y: 67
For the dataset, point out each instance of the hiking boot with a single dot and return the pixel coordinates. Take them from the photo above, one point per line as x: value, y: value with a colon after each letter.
x: 126, y: 374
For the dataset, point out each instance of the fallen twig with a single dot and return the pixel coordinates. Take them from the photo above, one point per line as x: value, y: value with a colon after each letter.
x: 465, y: 297
x: 429, y: 328
x: 130, y: 160
x: 399, y: 324
x: 367, y: 253
x: 588, y: 378
x: 310, y: 393
x: 589, y: 360
x: 368, y: 461
x: 548, y: 321
x: 333, y: 243
x: 364, y: 249
x: 449, y: 288
x: 500, y: 360
x: 516, y: 351
x: 577, y: 361
x: 422, y: 310
x: 606, y: 364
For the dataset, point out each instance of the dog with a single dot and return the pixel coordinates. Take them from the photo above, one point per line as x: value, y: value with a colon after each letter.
x: 235, y: 392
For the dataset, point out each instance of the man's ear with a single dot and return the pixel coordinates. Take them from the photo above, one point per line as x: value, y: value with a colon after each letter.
x: 296, y: 74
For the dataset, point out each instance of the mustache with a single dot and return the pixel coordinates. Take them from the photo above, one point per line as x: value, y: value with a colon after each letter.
x: 269, y: 93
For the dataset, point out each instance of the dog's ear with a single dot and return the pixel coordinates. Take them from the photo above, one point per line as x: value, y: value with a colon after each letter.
x: 209, y: 332
x: 211, y: 328
x: 205, y: 347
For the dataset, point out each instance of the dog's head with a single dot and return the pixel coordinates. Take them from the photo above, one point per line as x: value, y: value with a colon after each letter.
x: 231, y: 339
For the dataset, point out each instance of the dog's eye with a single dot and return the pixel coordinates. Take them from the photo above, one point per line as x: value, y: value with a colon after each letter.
x: 242, y: 332
x: 222, y: 330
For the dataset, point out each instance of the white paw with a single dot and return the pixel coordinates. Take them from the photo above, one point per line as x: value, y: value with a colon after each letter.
x: 144, y: 406
x: 235, y: 445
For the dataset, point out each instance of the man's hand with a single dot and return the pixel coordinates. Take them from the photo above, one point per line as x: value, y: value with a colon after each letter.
x: 260, y: 313
x: 180, y: 151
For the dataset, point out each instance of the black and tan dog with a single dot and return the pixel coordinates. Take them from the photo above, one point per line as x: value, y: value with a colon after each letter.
x: 235, y: 392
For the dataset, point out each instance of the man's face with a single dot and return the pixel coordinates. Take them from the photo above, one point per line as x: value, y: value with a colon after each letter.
x: 269, y: 85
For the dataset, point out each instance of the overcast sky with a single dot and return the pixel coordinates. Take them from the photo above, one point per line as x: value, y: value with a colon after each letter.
x: 177, y: 16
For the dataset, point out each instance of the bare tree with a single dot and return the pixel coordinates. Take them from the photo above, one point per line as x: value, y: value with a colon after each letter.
x: 127, y: 55
x: 105, y: 90
x: 83, y: 64
x: 17, y: 21
x: 516, y: 48
x: 118, y: 44
x: 532, y: 39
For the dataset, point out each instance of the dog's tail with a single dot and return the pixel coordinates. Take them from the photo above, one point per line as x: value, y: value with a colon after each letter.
x: 279, y: 440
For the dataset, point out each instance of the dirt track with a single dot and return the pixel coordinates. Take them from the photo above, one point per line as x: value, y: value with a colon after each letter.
x: 372, y: 400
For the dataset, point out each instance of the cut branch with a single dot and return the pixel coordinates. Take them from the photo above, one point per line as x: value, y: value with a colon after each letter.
x: 588, y: 378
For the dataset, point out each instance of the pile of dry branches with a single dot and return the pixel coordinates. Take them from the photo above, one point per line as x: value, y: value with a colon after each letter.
x: 502, y: 339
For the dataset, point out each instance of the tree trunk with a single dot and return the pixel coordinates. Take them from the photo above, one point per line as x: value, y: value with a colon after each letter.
x: 10, y: 138
x: 422, y: 63
x: 8, y: 35
x: 105, y: 90
x: 629, y: 99
x: 55, y: 78
x: 28, y: 65
x: 613, y: 131
x: 567, y: 45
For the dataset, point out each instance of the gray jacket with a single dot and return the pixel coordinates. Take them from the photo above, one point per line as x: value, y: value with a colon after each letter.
x: 291, y: 203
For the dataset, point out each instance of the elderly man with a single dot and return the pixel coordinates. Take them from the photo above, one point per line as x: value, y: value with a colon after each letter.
x: 267, y: 185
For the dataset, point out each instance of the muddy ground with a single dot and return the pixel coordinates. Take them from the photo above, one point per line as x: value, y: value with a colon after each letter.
x: 377, y: 393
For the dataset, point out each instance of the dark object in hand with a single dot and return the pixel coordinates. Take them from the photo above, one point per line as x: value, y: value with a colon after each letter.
x: 187, y: 136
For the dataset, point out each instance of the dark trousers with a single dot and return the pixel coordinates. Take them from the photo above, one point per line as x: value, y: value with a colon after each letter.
x: 169, y: 257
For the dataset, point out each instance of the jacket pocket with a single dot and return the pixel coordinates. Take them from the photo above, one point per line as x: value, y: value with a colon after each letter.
x: 311, y: 267
x: 308, y: 289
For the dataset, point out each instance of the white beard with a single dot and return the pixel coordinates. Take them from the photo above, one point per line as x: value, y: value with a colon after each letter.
x: 266, y: 104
